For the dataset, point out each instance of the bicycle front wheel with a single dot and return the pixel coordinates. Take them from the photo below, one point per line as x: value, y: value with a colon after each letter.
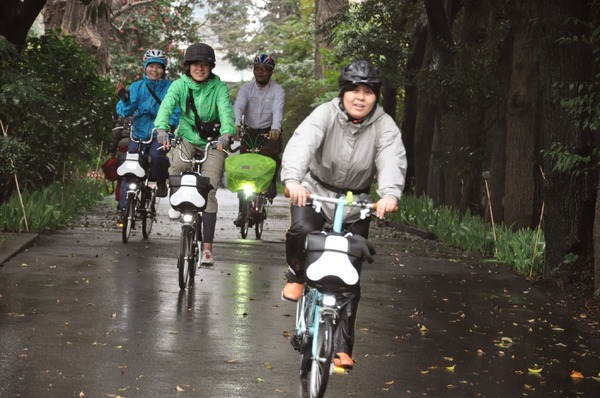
x: 149, y: 212
x: 129, y: 217
x: 321, y: 361
x: 186, y: 257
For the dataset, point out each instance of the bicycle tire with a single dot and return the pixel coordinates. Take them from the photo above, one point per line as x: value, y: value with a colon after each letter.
x: 259, y: 227
x: 149, y: 212
x: 196, y: 245
x: 185, y: 256
x: 129, y: 217
x: 246, y: 219
x: 321, y: 361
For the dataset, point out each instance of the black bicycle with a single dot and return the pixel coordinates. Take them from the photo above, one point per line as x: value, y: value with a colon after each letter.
x: 188, y: 195
x: 141, y: 198
x: 250, y: 180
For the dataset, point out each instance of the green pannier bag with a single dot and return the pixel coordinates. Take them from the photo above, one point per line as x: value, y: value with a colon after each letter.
x: 249, y: 168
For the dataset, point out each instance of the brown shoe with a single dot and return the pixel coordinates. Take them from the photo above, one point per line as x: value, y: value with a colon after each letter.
x: 343, y: 360
x: 292, y: 291
x: 161, y: 190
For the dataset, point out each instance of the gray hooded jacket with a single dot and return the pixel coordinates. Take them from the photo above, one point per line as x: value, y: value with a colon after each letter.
x: 345, y: 155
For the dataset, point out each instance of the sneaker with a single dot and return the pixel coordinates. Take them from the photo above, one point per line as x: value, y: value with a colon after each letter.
x: 207, y: 258
x: 174, y: 214
x: 161, y: 189
x: 343, y: 360
x: 292, y: 291
x: 238, y: 221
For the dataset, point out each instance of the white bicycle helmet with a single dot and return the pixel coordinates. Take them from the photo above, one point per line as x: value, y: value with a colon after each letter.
x: 155, y: 55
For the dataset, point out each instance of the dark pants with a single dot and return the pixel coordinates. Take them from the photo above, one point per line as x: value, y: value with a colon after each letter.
x: 159, y: 166
x: 305, y: 220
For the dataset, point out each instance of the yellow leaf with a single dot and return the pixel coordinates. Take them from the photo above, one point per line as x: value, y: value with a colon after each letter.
x: 535, y: 369
x: 576, y: 375
x: 389, y: 383
x: 179, y: 389
x: 450, y: 368
x: 259, y: 380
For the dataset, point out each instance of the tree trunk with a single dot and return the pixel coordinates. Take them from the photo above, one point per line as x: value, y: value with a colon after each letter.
x: 521, y: 111
x: 324, y: 10
x: 597, y: 240
x: 569, y: 198
x: 71, y: 17
x: 16, y: 18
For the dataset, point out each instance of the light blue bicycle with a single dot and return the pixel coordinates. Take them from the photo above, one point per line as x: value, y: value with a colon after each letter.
x: 332, y: 273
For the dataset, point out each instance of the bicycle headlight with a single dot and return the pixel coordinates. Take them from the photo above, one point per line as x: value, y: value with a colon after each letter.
x: 132, y: 186
x: 329, y: 300
x: 248, y: 188
x: 188, y: 217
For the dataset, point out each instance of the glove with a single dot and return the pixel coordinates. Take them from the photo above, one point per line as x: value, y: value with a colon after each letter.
x: 223, y: 141
x: 162, y: 137
x: 274, y: 134
x: 123, y: 94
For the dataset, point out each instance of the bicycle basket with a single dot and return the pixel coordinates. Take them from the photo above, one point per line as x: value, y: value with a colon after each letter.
x: 189, y: 191
x: 133, y: 166
x: 249, y: 168
x: 334, y: 262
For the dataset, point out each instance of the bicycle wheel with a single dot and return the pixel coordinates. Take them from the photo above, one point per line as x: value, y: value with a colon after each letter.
x: 196, y: 247
x: 149, y: 211
x: 321, y: 361
x: 129, y: 217
x: 185, y: 260
x: 246, y: 219
x: 260, y: 216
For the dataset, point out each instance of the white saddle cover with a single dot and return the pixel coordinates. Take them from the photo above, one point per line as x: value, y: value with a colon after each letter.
x: 334, y: 262
x: 187, y: 193
x: 131, y: 165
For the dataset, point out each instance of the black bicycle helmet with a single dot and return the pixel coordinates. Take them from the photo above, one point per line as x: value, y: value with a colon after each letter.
x: 199, y: 52
x: 360, y: 72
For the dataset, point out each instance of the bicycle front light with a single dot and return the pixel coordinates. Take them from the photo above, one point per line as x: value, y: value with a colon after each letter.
x: 329, y: 300
x: 187, y: 218
x: 132, y: 186
x: 248, y: 189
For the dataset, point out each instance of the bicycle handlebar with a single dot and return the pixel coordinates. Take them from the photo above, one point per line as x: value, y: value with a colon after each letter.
x: 353, y: 203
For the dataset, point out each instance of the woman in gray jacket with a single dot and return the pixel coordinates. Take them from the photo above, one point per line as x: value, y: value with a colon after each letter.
x: 341, y: 146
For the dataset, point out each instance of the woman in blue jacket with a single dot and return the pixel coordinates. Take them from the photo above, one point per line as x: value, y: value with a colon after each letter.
x: 142, y: 101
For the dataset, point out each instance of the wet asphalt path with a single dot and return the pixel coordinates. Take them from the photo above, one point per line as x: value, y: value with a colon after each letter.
x: 84, y: 315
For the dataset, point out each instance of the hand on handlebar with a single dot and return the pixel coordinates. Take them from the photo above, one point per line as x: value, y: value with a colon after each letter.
x: 274, y: 134
x: 163, y: 139
x: 297, y: 193
x: 385, y: 205
x: 223, y: 142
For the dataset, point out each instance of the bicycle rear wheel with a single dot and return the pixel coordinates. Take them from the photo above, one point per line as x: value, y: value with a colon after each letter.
x: 186, y: 257
x: 321, y: 361
x: 245, y: 219
x: 129, y: 217
x: 149, y: 211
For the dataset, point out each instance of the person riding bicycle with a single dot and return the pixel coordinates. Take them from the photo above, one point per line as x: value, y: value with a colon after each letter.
x: 343, y: 145
x: 207, y: 114
x: 259, y: 103
x: 142, y: 100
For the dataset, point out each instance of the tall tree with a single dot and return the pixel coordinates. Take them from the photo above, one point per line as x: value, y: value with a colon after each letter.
x: 325, y: 10
x: 16, y: 18
x: 569, y: 197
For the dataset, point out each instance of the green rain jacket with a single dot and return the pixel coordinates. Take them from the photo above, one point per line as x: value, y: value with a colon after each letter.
x: 212, y: 103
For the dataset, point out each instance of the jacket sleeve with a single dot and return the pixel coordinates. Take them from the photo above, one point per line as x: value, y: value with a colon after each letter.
x: 278, y: 104
x: 169, y: 108
x: 390, y: 160
x: 128, y: 108
x: 241, y: 101
x: 304, y: 143
x: 225, y: 110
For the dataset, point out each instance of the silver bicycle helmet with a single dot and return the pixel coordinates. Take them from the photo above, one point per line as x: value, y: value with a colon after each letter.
x: 155, y: 55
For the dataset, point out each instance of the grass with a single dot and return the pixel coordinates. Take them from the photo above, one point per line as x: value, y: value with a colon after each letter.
x: 51, y: 208
x: 521, y: 249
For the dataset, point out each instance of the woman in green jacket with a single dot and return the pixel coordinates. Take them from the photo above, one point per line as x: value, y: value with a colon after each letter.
x: 207, y: 115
